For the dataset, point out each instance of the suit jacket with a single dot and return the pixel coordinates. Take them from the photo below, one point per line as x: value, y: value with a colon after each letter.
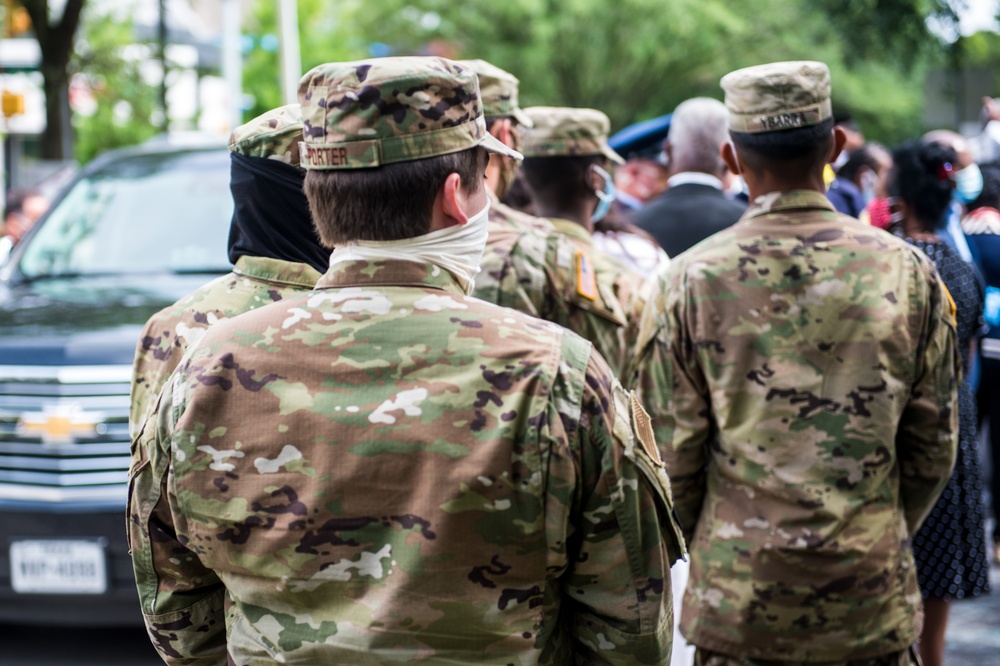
x: 686, y: 214
x: 846, y: 197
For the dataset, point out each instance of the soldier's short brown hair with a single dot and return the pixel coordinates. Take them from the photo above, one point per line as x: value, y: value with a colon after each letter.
x: 391, y: 202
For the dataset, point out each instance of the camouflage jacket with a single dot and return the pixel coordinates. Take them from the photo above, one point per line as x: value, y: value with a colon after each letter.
x: 318, y: 485
x: 800, y: 369
x: 254, y: 281
x: 503, y: 216
x: 560, y: 277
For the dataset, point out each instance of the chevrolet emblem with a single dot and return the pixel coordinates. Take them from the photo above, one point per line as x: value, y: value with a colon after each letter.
x: 59, y: 425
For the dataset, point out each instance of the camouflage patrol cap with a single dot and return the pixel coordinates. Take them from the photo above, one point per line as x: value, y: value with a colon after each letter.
x: 777, y: 96
x: 369, y: 113
x: 273, y: 135
x: 561, y: 131
x: 498, y: 89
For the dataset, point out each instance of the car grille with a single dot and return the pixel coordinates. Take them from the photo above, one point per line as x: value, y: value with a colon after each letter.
x: 64, y: 433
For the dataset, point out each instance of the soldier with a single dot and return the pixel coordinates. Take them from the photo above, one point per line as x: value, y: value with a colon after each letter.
x: 503, y: 119
x: 272, y: 244
x: 566, y: 164
x: 385, y: 469
x: 528, y: 265
x: 800, y: 368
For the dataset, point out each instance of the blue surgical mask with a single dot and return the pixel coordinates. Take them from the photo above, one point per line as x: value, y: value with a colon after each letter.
x: 605, y: 197
x: 968, y: 184
x: 869, y: 183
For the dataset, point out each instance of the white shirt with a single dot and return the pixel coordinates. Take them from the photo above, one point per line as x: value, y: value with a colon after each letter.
x: 694, y: 178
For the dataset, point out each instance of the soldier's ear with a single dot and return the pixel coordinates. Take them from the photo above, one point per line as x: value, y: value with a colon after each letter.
x: 839, y: 139
x: 501, y: 130
x: 668, y: 150
x: 449, y: 204
x: 728, y: 153
x: 595, y: 179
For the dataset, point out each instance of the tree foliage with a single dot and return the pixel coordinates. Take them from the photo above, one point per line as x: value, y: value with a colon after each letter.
x: 635, y: 59
x: 324, y: 38
x: 123, y: 102
x: 893, y: 30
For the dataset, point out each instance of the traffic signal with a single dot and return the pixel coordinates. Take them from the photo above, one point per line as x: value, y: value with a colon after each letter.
x: 12, y: 103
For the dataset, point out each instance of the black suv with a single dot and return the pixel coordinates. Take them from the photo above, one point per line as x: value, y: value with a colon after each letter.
x: 133, y: 232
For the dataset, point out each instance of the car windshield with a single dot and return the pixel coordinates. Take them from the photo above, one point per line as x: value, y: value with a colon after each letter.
x: 141, y: 214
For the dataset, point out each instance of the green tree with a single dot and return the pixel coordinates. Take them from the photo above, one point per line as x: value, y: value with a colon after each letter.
x: 886, y: 30
x: 324, y: 38
x: 55, y: 39
x: 884, y: 93
x: 626, y: 58
x: 125, y: 103
x: 635, y: 59
x: 980, y: 51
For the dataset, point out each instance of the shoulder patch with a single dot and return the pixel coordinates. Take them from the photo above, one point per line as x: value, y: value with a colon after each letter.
x: 586, y: 278
x: 644, y: 431
x: 951, y: 305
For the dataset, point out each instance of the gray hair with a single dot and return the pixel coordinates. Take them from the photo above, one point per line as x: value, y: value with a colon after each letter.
x: 697, y: 128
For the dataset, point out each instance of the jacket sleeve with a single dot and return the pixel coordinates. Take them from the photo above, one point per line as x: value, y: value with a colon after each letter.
x: 181, y: 600
x: 617, y: 582
x: 151, y: 355
x: 670, y: 385
x: 927, y: 440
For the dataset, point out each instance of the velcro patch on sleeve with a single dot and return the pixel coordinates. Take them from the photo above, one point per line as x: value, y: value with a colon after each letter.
x: 951, y: 305
x: 586, y: 279
x: 644, y: 431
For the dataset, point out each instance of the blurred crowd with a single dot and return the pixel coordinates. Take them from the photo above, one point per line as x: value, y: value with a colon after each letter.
x: 762, y: 434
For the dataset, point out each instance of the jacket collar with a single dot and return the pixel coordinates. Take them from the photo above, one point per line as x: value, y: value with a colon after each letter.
x: 773, y: 202
x: 571, y: 229
x: 277, y: 270
x: 389, y: 273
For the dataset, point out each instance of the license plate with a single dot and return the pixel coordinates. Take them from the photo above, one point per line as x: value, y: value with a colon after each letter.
x: 58, y: 567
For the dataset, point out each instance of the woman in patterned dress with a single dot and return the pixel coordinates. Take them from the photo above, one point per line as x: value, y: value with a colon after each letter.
x: 950, y: 547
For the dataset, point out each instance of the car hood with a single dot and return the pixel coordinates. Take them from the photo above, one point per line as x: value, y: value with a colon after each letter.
x: 83, y: 321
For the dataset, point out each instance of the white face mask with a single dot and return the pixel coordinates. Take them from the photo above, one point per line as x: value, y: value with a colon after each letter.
x: 458, y: 249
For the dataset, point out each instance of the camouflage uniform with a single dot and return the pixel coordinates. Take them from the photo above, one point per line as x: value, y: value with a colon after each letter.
x: 340, y: 490
x: 800, y: 369
x: 274, y: 135
x: 551, y: 269
x: 546, y: 275
x: 254, y: 281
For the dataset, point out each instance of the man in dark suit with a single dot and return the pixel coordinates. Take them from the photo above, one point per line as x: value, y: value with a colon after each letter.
x: 694, y: 206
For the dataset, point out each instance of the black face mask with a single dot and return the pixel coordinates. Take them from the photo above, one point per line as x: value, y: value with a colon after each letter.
x: 271, y: 215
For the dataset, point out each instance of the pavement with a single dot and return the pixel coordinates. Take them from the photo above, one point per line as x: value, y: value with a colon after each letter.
x: 973, y: 637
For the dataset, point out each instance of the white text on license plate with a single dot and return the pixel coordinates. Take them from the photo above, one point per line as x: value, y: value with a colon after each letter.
x: 58, y: 567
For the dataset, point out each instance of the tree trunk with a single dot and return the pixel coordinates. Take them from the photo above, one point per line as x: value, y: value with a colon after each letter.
x: 57, y: 140
x: 56, y: 43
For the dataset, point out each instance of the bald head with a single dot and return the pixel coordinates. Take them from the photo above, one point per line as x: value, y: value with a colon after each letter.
x: 697, y: 129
